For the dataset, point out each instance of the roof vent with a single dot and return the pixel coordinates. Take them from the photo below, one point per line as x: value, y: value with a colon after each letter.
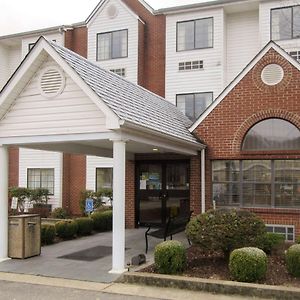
x: 112, y: 11
x: 52, y: 82
x: 272, y: 74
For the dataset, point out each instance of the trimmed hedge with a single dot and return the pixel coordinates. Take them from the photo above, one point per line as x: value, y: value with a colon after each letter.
x: 271, y: 242
x: 248, y: 264
x: 292, y: 258
x: 59, y: 213
x: 66, y: 229
x: 225, y: 230
x: 84, y: 225
x: 102, y: 220
x: 170, y: 257
x: 47, y: 234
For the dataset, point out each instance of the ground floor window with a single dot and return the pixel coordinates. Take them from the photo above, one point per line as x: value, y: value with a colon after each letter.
x: 41, y: 178
x: 256, y: 183
x: 286, y: 230
x: 104, y: 178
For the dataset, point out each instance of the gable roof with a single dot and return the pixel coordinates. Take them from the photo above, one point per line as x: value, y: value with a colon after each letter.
x: 241, y: 75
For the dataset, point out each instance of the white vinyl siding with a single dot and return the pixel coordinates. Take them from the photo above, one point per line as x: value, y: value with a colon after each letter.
x: 210, y: 78
x: 93, y: 162
x: 32, y: 159
x: 70, y: 112
x: 123, y: 21
x: 242, y: 41
x: 3, y: 65
x: 265, y: 24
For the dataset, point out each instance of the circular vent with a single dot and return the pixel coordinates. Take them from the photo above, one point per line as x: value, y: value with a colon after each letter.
x: 272, y: 74
x: 52, y: 82
x: 112, y: 11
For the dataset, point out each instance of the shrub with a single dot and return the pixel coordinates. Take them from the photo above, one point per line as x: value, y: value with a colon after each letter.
x: 47, y: 234
x: 225, y: 230
x: 298, y: 240
x: 248, y: 264
x: 59, y: 213
x: 85, y: 226
x: 66, y: 229
x: 102, y: 220
x: 271, y: 242
x: 292, y: 258
x: 170, y: 257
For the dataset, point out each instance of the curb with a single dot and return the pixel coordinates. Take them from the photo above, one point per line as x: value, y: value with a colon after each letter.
x: 212, y: 286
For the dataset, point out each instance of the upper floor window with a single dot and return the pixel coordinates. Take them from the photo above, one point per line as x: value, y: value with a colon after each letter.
x: 195, y: 34
x: 285, y: 23
x: 295, y: 55
x: 112, y: 44
x: 193, y: 105
x: 272, y: 134
x: 41, y: 178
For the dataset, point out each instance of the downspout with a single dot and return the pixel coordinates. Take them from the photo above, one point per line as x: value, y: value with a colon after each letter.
x: 203, y: 181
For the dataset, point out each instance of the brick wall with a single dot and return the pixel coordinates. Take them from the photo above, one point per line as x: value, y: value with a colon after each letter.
x: 130, y: 194
x: 13, y: 158
x: 76, y: 40
x: 249, y: 102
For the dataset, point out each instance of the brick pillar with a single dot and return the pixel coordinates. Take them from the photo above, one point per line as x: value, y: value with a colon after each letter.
x: 13, y: 179
x: 195, y: 184
x: 66, y: 182
x: 130, y: 194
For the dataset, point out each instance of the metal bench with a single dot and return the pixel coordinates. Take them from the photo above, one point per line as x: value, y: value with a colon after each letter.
x: 172, y: 226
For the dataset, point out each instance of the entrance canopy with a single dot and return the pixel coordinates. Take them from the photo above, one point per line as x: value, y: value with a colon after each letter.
x: 57, y: 100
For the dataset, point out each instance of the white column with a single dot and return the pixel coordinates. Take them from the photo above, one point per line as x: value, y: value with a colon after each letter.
x: 118, y: 244
x: 203, y: 180
x: 3, y: 203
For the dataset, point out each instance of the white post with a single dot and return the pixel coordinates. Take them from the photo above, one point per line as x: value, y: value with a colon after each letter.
x: 118, y: 245
x: 3, y: 203
x: 203, y: 180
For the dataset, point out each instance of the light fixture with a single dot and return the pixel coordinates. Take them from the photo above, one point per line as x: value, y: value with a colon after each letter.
x: 155, y: 149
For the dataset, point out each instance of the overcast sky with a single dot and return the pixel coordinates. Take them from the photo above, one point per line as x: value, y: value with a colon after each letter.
x: 25, y: 15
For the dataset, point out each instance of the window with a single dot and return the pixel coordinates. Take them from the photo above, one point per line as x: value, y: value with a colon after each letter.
x: 193, y: 105
x: 285, y: 23
x: 256, y: 183
x: 195, y: 34
x: 120, y: 71
x: 295, y: 55
x: 104, y: 178
x: 112, y: 44
x: 190, y: 65
x: 41, y: 178
x: 272, y: 134
x: 286, y: 230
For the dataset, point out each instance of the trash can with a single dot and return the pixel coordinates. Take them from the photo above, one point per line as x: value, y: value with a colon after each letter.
x: 24, y: 236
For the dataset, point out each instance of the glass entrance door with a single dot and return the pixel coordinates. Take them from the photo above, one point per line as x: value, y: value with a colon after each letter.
x: 162, y: 191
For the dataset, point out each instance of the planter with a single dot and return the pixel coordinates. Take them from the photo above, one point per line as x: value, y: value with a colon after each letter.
x: 43, y: 209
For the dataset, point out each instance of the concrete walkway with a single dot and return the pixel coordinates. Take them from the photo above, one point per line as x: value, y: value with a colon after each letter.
x: 48, y: 264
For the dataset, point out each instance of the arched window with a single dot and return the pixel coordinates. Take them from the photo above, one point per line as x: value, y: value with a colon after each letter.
x: 272, y: 134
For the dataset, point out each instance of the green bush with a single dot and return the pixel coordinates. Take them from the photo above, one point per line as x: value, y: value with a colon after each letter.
x: 59, y: 213
x: 66, y: 229
x: 225, y: 230
x: 248, y: 264
x: 271, y: 242
x: 85, y: 225
x: 102, y: 220
x: 47, y: 234
x: 170, y: 257
x: 298, y: 240
x: 292, y: 258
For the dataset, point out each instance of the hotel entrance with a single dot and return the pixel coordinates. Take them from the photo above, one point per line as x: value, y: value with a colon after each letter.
x: 163, y: 190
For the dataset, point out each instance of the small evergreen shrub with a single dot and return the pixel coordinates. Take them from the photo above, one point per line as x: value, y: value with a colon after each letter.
x: 271, y: 242
x: 298, y: 240
x: 47, y: 234
x: 102, y: 220
x: 84, y: 225
x: 66, y: 229
x: 292, y: 258
x: 225, y: 230
x: 59, y: 213
x: 248, y: 264
x: 170, y: 257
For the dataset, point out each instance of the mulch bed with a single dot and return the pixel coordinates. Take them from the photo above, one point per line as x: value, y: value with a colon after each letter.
x: 214, y: 266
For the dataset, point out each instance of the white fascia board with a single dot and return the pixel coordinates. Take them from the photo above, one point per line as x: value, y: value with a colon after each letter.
x: 241, y: 75
x: 100, y: 7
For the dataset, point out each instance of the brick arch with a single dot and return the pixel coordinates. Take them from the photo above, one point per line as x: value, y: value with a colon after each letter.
x: 257, y: 117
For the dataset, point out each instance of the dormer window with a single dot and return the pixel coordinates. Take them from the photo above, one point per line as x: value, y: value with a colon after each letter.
x: 195, y: 34
x: 285, y: 23
x: 112, y: 45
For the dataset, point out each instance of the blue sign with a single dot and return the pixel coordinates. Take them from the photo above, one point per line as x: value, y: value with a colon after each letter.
x: 89, y: 205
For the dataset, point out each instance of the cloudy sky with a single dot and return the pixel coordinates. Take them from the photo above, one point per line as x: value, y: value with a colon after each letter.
x: 19, y: 16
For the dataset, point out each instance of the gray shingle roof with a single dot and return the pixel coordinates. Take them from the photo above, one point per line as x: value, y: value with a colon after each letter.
x: 128, y: 101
